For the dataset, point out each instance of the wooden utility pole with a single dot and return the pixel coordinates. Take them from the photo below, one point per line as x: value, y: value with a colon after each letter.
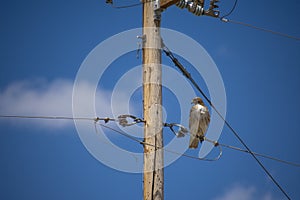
x: 152, y: 95
x: 152, y: 89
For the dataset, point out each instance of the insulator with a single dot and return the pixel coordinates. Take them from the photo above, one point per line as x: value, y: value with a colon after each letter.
x: 182, y: 132
x: 191, y: 6
x: 182, y: 4
x: 123, y: 121
x: 196, y: 9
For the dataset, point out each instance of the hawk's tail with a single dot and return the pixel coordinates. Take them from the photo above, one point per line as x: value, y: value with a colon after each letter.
x: 194, y: 143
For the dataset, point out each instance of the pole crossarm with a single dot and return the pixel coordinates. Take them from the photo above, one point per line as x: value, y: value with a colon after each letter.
x: 164, y: 4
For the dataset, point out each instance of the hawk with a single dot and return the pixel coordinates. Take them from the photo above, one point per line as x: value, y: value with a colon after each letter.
x: 198, y: 123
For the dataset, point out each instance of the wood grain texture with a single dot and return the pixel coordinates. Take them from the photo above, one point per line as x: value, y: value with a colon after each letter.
x: 152, y: 97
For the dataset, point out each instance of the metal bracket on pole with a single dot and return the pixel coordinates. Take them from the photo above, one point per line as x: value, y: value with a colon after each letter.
x: 157, y: 10
x: 141, y: 44
x: 211, y: 10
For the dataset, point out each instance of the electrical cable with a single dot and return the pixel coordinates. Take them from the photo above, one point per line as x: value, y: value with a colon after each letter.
x: 106, y: 119
x: 156, y: 147
x: 189, y: 77
x: 122, y: 119
x: 223, y: 19
x: 47, y: 117
x: 130, y: 5
x: 231, y: 11
x: 127, y: 6
x: 259, y: 28
x: 257, y: 154
x: 217, y: 143
x: 183, y: 130
x: 261, y: 155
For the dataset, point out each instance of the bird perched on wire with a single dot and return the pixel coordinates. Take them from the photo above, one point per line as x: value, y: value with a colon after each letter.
x: 198, y: 122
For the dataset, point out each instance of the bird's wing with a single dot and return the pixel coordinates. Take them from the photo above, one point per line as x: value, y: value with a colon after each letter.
x: 193, y: 126
x: 204, y: 120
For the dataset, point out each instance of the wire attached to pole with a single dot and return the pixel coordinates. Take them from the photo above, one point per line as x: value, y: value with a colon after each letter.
x: 180, y: 133
x: 231, y: 11
x: 259, y: 28
x: 159, y: 147
x: 129, y: 5
x: 189, y: 77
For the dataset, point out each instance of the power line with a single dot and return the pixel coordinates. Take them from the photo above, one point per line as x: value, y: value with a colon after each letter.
x: 182, y: 131
x: 223, y: 19
x: 261, y: 155
x: 257, y: 154
x: 122, y: 133
x: 121, y: 122
x: 47, y: 117
x: 189, y: 77
x: 231, y: 11
x: 216, y: 144
x: 157, y: 147
x: 129, y: 5
x: 259, y: 28
x: 122, y: 119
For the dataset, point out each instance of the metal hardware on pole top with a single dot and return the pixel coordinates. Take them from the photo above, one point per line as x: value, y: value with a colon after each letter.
x: 157, y: 10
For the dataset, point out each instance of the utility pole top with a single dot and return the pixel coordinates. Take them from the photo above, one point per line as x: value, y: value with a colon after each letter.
x: 164, y: 4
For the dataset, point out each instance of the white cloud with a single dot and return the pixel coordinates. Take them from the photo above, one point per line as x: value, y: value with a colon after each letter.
x: 37, y: 98
x: 43, y: 98
x: 239, y: 192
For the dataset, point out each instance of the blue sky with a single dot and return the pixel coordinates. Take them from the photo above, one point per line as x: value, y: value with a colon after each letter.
x: 43, y: 44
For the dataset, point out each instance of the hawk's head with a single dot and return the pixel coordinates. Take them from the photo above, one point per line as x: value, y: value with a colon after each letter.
x: 198, y: 100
